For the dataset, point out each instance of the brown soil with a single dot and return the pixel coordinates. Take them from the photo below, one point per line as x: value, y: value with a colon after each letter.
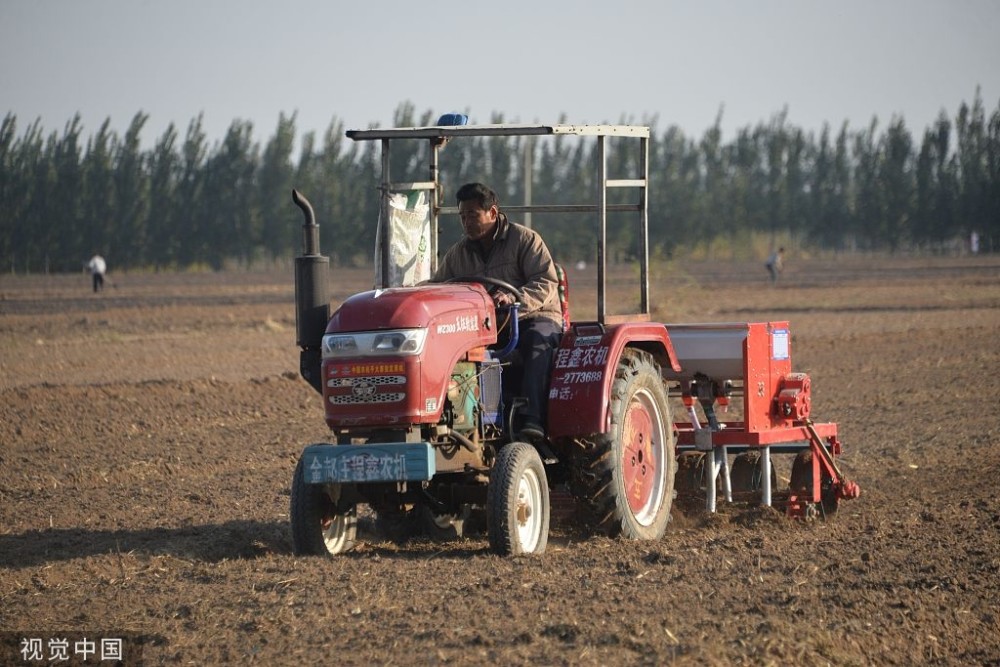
x: 149, y: 434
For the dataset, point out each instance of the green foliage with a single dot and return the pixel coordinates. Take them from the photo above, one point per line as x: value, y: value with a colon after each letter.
x: 186, y: 204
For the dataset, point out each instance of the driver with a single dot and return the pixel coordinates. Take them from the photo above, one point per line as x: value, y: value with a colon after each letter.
x: 494, y: 247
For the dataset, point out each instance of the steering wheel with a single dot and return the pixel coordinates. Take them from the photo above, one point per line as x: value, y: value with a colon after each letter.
x: 495, y: 283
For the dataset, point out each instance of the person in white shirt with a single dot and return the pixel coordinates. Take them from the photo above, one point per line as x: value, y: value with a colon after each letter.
x: 97, y: 267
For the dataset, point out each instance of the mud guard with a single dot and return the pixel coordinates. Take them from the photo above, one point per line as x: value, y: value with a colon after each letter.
x: 584, y: 369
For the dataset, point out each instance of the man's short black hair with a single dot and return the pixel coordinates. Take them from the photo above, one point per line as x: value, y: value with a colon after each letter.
x: 482, y: 194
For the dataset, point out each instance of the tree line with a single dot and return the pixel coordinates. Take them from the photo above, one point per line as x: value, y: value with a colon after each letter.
x: 187, y: 203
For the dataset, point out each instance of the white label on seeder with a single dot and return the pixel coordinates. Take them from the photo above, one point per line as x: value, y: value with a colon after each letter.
x: 779, y: 344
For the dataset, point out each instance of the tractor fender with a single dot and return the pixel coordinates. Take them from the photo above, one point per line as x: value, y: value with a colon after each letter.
x: 583, y: 371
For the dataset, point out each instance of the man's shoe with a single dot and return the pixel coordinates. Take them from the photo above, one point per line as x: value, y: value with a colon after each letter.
x: 531, y: 432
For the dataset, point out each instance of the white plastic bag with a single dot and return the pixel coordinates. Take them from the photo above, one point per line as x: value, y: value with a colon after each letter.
x: 410, y: 239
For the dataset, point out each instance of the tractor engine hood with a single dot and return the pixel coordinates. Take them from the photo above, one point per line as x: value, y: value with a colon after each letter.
x: 369, y: 389
x: 443, y: 308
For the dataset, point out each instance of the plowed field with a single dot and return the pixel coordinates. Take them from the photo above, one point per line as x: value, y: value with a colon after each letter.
x: 149, y: 434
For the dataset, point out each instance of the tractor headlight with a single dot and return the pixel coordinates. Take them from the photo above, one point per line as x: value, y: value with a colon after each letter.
x: 366, y: 343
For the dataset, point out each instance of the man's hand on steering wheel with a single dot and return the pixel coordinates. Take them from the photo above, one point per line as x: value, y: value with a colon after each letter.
x: 502, y: 299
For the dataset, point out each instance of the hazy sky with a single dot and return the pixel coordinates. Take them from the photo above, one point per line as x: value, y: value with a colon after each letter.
x: 531, y: 60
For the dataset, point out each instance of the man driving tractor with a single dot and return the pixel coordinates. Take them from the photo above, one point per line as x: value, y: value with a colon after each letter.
x: 494, y: 247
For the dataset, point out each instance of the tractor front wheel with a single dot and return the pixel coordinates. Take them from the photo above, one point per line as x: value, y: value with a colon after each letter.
x: 517, y: 502
x: 319, y: 527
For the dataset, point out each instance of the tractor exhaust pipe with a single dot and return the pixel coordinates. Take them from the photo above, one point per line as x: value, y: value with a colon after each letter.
x: 312, y: 296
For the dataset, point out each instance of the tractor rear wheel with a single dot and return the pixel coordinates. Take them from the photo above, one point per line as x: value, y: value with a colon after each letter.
x: 626, y: 476
x: 517, y: 502
x: 319, y: 528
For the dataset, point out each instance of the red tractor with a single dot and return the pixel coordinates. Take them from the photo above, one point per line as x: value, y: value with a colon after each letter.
x: 412, y: 379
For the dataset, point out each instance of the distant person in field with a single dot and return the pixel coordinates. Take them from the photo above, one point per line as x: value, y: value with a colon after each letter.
x: 775, y: 264
x: 97, y: 267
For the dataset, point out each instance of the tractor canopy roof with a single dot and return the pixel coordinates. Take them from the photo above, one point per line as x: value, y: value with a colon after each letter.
x: 402, y: 236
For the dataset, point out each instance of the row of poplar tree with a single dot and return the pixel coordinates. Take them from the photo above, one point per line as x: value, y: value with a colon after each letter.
x: 186, y: 202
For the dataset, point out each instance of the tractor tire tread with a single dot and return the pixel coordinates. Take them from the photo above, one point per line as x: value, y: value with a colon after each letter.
x: 593, y: 479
